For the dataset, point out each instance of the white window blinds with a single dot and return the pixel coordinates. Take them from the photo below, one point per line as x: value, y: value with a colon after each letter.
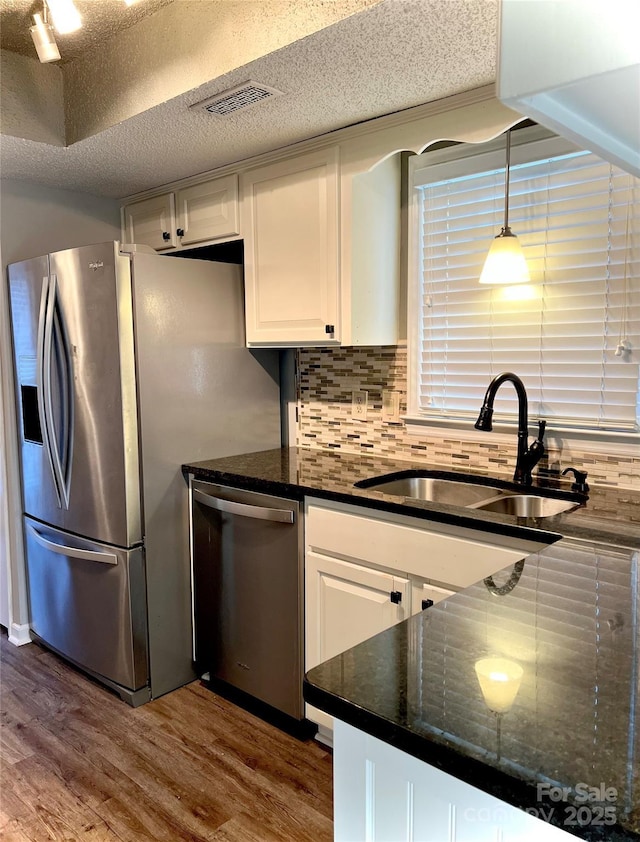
x: 578, y: 219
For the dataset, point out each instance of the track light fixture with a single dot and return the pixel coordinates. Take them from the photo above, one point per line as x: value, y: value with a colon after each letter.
x: 66, y: 18
x: 43, y: 38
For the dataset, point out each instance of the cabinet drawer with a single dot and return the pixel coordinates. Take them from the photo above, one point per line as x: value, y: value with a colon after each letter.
x: 460, y: 558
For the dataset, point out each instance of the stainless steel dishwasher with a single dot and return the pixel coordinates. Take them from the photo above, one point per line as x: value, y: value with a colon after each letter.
x: 247, y: 594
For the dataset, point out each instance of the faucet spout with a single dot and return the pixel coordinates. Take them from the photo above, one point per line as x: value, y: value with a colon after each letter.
x: 527, y: 457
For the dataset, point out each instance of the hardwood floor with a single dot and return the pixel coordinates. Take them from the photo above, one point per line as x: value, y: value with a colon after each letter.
x: 79, y: 764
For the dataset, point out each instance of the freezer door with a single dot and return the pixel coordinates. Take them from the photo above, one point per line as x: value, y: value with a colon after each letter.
x: 29, y: 297
x: 97, y: 438
x: 87, y: 601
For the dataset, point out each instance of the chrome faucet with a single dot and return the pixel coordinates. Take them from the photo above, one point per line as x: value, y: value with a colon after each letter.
x: 528, y: 457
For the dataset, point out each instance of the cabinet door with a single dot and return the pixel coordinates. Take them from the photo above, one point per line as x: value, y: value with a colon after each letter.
x: 208, y: 211
x: 290, y: 225
x: 345, y: 604
x: 151, y: 222
x: 348, y: 603
x: 381, y: 793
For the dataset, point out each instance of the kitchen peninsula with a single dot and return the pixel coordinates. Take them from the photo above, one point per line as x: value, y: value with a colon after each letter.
x: 567, y: 618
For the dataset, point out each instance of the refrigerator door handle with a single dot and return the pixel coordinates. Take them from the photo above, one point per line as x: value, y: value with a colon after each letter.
x: 43, y: 372
x: 64, y: 459
x: 72, y: 552
x: 53, y: 324
x: 243, y: 509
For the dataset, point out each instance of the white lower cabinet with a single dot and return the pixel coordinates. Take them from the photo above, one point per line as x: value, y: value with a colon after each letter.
x: 366, y: 570
x: 347, y: 603
x: 382, y: 794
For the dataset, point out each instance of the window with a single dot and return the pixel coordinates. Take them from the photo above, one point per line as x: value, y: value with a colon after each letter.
x: 573, y: 333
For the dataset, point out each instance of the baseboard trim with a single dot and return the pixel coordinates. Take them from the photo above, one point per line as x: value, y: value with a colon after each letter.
x: 19, y: 634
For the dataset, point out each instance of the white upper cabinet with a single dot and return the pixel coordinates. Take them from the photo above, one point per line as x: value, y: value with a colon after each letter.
x: 574, y: 66
x: 290, y: 227
x: 208, y: 211
x: 150, y: 222
x: 322, y: 251
x: 192, y: 215
x: 322, y: 226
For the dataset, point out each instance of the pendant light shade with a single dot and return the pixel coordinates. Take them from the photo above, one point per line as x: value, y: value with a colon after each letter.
x: 505, y: 263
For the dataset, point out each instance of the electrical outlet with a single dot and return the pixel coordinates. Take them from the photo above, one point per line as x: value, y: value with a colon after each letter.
x: 390, y: 405
x: 359, y: 404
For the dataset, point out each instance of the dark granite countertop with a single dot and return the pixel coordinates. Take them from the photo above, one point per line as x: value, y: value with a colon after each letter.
x: 610, y: 514
x: 570, y: 623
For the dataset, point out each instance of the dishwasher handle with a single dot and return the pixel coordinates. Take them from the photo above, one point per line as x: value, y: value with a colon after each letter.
x: 243, y: 509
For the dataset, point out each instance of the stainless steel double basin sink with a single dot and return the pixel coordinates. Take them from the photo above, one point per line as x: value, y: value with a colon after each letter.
x: 475, y: 492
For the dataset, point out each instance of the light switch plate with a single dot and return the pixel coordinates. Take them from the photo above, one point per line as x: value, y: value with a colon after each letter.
x: 390, y: 405
x: 359, y: 399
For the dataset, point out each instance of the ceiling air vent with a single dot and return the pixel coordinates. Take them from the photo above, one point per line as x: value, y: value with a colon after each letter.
x: 242, y: 96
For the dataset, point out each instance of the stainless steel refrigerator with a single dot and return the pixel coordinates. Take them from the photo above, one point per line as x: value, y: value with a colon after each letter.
x: 127, y: 365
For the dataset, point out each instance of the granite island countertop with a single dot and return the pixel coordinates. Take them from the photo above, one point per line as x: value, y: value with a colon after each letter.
x: 571, y: 623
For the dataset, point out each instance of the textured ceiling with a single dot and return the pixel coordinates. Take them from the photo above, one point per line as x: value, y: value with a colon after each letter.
x: 395, y: 55
x: 101, y: 19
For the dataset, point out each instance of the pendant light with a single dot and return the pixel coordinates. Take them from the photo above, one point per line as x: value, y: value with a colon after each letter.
x: 505, y: 263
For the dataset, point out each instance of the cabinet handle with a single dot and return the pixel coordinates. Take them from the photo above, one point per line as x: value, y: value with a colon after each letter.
x: 166, y: 236
x: 180, y: 232
x: 396, y: 597
x: 427, y: 603
x: 329, y: 329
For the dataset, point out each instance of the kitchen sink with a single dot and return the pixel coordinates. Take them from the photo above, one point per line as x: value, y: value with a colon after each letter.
x: 528, y: 505
x: 473, y: 491
x: 459, y: 492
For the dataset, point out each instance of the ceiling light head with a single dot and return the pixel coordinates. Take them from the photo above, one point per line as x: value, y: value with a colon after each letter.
x: 505, y: 263
x: 44, y: 40
x: 66, y: 18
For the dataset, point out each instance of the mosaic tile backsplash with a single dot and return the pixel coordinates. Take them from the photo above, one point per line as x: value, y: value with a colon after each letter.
x: 327, y: 377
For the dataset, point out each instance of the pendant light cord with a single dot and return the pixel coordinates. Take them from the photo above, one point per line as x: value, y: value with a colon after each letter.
x: 506, y: 184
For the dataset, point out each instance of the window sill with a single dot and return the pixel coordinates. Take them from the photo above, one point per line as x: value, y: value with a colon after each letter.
x: 556, y: 438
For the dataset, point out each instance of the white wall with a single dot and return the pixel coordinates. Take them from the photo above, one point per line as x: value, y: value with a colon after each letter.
x: 32, y: 99
x: 34, y: 220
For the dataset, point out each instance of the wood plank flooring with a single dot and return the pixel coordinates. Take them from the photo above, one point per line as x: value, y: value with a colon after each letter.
x: 79, y: 764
